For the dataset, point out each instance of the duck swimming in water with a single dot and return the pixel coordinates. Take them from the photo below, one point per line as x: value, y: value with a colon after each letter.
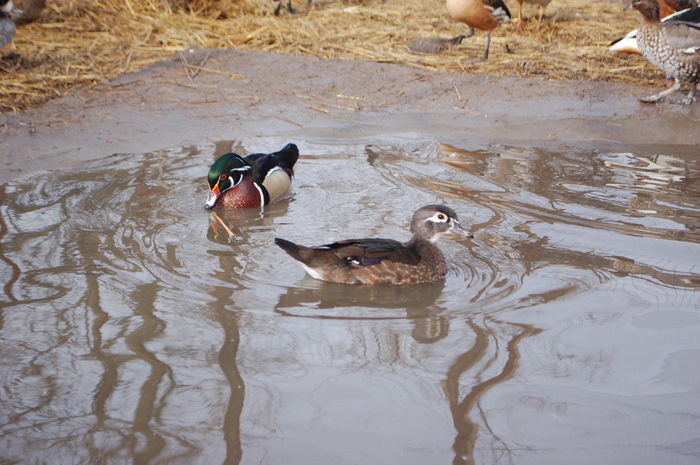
x: 383, y: 261
x: 252, y: 181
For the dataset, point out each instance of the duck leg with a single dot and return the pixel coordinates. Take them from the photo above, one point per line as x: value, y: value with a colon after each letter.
x: 488, y: 43
x: 539, y: 18
x: 486, y: 51
x: 656, y: 97
x: 520, y: 11
x: 690, y: 98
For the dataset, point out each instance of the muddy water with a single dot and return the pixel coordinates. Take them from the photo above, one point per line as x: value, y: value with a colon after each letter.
x: 137, y: 328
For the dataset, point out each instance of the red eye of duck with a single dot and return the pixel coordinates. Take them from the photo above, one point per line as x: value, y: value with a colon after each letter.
x: 223, y: 177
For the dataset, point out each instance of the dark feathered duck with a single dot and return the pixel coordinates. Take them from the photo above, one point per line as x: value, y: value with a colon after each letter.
x: 673, y: 46
x: 383, y: 261
x: 252, y: 181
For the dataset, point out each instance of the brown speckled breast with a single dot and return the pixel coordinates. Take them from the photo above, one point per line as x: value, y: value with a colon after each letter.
x: 656, y: 42
x: 246, y: 194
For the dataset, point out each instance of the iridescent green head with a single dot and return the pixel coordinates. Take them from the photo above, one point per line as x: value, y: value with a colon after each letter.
x: 224, y: 174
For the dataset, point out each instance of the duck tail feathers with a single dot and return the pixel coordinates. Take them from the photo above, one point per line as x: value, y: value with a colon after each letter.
x: 297, y: 252
x: 288, y: 156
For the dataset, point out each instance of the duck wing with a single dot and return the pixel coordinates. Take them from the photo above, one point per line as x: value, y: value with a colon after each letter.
x: 684, y: 36
x: 497, y: 5
x: 368, y: 252
x: 262, y: 163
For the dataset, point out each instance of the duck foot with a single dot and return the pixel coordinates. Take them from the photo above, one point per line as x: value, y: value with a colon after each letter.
x: 658, y: 97
x: 651, y: 99
x: 690, y: 98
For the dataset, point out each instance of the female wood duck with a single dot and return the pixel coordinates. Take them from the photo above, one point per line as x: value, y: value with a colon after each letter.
x: 383, y: 261
x: 673, y: 46
x: 484, y: 15
x: 7, y: 25
x: 252, y: 181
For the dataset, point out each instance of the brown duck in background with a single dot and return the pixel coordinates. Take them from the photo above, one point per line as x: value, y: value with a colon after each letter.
x: 484, y: 15
x: 383, y: 261
x: 28, y: 11
x: 668, y: 7
x: 542, y: 4
x: 673, y: 46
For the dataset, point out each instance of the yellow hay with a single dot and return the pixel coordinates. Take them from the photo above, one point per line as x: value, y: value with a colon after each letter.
x: 78, y: 43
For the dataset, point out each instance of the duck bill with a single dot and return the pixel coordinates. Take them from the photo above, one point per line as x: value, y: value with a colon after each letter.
x: 458, y: 229
x: 212, y: 197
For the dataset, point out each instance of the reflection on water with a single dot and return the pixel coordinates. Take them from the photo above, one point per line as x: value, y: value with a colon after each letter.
x: 136, y: 327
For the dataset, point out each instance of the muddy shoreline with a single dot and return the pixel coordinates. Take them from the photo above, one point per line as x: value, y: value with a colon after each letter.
x: 239, y: 94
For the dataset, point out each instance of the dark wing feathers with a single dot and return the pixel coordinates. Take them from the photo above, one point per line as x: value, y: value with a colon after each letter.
x: 367, y: 252
x: 262, y: 163
x: 496, y: 4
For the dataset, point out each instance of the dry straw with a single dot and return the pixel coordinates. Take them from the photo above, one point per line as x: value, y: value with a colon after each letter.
x: 78, y: 43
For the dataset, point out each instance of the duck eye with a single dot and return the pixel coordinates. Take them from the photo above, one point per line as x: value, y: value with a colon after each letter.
x: 441, y: 217
x: 223, y: 177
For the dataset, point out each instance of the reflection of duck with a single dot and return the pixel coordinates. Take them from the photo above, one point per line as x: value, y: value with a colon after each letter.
x: 383, y: 261
x: 419, y: 302
x: 7, y: 26
x: 673, y: 46
x: 251, y: 181
x: 229, y: 224
x: 484, y: 15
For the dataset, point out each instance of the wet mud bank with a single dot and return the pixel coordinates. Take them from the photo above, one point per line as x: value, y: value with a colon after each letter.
x: 216, y: 95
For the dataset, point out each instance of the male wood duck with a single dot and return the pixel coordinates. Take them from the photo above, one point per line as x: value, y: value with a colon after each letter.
x: 484, y: 15
x: 252, y: 181
x: 383, y: 261
x: 7, y: 25
x: 673, y: 46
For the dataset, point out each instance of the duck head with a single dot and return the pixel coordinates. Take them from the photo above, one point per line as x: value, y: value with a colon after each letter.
x: 648, y: 8
x: 226, y: 173
x: 432, y: 221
